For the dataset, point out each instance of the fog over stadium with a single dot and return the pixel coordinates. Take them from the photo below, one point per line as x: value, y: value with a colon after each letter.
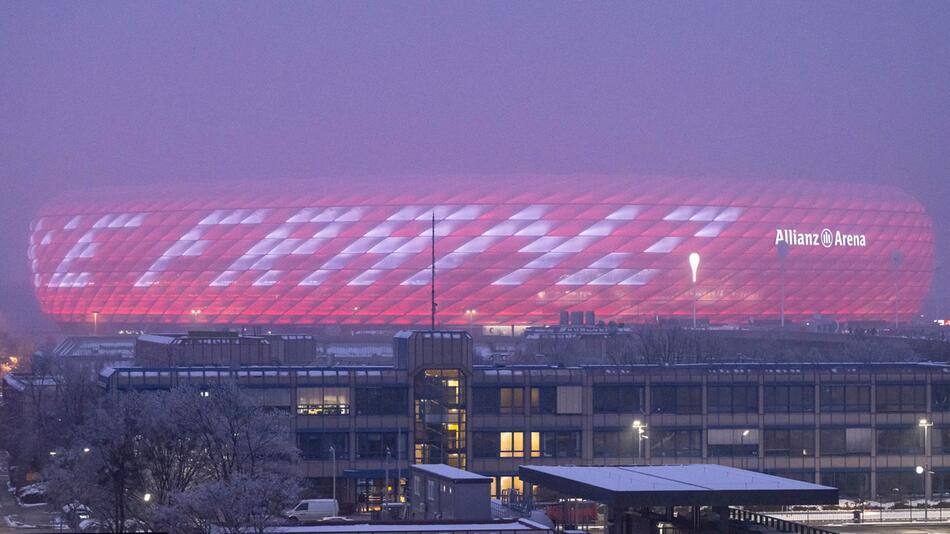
x: 848, y: 97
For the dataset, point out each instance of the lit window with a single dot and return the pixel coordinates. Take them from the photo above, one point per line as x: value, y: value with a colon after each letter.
x: 323, y: 401
x: 511, y: 445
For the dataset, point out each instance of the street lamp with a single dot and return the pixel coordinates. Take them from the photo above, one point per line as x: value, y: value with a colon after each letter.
x: 95, y: 323
x: 742, y: 445
x: 922, y: 470
x: 194, y: 314
x: 694, y: 267
x: 925, y: 424
x: 147, y: 497
x: 333, y: 455
x: 389, y: 454
x: 471, y: 316
x: 641, y: 429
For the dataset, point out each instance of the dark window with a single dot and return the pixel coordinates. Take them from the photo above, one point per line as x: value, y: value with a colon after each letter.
x: 900, y: 440
x: 941, y: 483
x: 789, y: 442
x: 941, y: 397
x: 618, y: 399
x: 495, y: 400
x: 898, y: 485
x: 789, y: 399
x: 845, y: 398
x: 684, y: 399
x: 676, y: 442
x: 940, y: 439
x: 511, y: 400
x: 733, y: 399
x: 485, y: 400
x: 544, y: 400
x: 486, y: 444
x: 850, y: 484
x: 316, y: 445
x: 376, y: 445
x: 382, y: 400
x: 841, y: 441
x: 556, y: 444
x: 901, y: 398
x: 616, y: 444
x: 732, y: 441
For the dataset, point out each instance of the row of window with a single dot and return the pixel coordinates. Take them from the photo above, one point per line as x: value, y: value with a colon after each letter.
x: 545, y: 444
x: 331, y: 400
x: 737, y: 442
x: 732, y: 398
x: 369, y: 445
x: 675, y: 399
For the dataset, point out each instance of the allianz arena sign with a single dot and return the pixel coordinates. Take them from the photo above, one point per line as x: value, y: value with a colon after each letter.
x: 825, y: 238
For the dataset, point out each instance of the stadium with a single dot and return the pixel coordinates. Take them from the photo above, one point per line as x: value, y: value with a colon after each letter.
x: 509, y: 250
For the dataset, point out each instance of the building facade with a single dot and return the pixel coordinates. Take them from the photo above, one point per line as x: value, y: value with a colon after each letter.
x: 863, y: 428
x: 513, y: 250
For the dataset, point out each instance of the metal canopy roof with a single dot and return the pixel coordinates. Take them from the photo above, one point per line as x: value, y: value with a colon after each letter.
x: 677, y: 485
x: 451, y: 473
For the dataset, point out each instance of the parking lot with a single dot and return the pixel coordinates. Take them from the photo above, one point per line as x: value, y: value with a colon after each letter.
x: 15, y: 518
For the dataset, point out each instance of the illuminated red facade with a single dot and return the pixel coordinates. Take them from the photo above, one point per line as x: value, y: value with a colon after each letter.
x: 516, y: 250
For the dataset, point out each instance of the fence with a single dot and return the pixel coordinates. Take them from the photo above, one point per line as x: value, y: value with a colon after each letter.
x: 778, y: 523
x: 824, y: 517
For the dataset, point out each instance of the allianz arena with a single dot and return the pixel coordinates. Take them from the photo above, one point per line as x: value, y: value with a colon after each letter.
x: 509, y: 250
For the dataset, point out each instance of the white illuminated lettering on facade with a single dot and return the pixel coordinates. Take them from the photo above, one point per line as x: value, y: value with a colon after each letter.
x: 825, y: 238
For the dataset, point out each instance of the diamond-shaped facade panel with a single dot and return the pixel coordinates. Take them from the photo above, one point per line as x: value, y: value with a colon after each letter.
x: 515, y: 249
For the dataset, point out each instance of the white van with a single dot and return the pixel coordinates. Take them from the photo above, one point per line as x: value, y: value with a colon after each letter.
x: 313, y: 510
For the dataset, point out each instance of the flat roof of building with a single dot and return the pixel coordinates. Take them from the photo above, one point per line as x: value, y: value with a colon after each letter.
x: 676, y: 485
x: 451, y: 473
x: 522, y: 525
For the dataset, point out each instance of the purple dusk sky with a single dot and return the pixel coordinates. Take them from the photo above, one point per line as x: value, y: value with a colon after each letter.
x: 107, y: 94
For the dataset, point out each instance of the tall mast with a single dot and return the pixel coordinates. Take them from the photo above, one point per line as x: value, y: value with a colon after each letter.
x: 433, y: 271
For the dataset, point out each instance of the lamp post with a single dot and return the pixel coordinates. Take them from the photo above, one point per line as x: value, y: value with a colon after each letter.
x: 782, y: 254
x: 333, y: 455
x: 926, y: 424
x: 389, y: 454
x: 471, y: 316
x: 194, y: 314
x: 897, y: 259
x: 95, y: 323
x: 640, y: 431
x: 742, y: 445
x: 924, y: 470
x: 694, y: 267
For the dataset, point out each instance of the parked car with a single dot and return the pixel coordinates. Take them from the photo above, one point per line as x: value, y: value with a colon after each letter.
x: 94, y: 525
x: 313, y: 510
x: 32, y: 495
x: 75, y: 513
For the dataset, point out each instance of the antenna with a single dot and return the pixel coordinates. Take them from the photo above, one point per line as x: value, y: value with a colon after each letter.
x: 433, y: 271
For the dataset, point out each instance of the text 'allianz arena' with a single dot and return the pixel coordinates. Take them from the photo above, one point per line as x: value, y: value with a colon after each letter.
x: 509, y: 250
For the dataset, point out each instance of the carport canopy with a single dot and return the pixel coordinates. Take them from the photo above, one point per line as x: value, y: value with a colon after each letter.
x: 676, y: 485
